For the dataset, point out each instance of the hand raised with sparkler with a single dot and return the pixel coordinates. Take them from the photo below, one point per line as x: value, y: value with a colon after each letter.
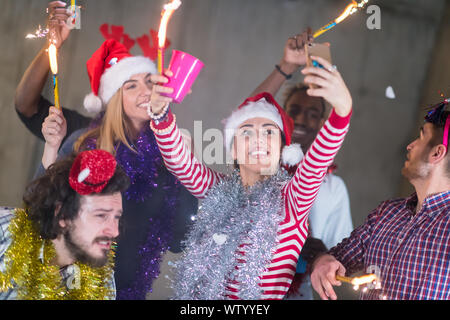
x: 57, y: 22
x: 323, y: 276
x: 330, y: 86
x: 54, y: 129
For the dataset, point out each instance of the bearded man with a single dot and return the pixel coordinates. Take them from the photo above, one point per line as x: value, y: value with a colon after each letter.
x: 404, y: 241
x: 60, y: 246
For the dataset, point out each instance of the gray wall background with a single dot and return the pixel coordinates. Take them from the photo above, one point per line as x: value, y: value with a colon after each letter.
x: 240, y: 41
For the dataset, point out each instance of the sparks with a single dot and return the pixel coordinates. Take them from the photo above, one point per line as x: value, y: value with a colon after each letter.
x: 39, y: 33
x: 357, y: 282
x: 169, y: 9
x: 52, y: 52
x: 349, y: 10
x: 370, y: 278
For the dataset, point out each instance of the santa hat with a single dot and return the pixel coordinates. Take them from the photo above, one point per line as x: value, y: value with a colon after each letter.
x: 91, y: 171
x: 263, y: 105
x: 108, y: 68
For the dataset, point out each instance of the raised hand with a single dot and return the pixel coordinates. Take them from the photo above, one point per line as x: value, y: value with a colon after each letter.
x: 330, y: 86
x: 56, y: 22
x: 294, y: 53
x: 54, y: 128
x: 157, y: 101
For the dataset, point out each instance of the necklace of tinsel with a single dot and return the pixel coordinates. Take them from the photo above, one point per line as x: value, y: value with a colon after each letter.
x: 229, y: 217
x: 40, y: 280
x: 143, y: 165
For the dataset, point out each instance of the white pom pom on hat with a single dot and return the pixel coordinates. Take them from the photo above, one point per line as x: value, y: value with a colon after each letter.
x: 292, y: 155
x: 92, y: 103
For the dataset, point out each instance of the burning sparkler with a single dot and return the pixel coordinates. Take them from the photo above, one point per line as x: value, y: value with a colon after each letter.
x: 52, y: 54
x: 167, y: 12
x: 349, y: 10
x: 359, y: 281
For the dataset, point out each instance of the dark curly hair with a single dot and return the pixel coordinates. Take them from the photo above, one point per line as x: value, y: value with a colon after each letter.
x: 43, y: 195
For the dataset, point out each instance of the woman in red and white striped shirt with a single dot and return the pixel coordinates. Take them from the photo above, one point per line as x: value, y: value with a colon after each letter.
x: 252, y: 225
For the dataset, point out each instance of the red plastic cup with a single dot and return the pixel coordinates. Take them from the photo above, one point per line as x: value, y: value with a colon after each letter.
x: 185, y: 70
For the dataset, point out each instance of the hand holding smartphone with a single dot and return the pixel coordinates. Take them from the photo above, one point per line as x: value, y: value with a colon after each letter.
x: 317, y: 49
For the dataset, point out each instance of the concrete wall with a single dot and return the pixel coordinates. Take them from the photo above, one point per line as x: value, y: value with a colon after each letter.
x: 240, y: 42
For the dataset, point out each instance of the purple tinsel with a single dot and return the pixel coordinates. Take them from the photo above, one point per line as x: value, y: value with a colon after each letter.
x: 151, y: 253
x: 142, y: 168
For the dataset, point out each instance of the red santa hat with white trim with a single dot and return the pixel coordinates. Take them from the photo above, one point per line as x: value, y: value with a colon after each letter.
x: 263, y: 105
x: 108, y: 69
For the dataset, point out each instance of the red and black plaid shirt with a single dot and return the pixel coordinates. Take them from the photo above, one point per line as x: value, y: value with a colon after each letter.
x: 411, y: 251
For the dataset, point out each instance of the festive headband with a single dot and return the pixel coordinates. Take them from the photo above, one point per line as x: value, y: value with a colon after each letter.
x: 148, y: 45
x: 437, y: 117
x: 91, y: 171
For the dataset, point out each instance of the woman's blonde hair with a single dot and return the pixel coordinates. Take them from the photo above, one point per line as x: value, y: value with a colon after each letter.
x: 115, y: 127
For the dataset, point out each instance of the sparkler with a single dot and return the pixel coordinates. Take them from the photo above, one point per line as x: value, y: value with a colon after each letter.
x: 52, y: 54
x: 167, y: 12
x: 349, y: 10
x: 73, y: 22
x: 359, y: 281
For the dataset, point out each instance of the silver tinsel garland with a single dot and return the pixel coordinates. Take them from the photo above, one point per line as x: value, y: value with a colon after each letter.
x: 230, y: 216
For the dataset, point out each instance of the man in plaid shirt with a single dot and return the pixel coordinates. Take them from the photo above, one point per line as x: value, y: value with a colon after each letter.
x: 76, y: 205
x: 406, y: 242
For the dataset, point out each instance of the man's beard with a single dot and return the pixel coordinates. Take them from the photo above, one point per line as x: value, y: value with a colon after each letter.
x: 419, y: 169
x: 81, y: 255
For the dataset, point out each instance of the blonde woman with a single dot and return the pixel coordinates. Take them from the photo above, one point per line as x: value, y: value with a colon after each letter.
x: 157, y: 208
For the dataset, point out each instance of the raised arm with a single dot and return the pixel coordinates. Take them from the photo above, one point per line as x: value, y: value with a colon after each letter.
x: 302, y: 190
x: 304, y: 186
x: 54, y: 129
x: 178, y: 158
x: 293, y: 58
x: 29, y: 90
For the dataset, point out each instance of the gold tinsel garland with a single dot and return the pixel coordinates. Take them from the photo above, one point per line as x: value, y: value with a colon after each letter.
x: 35, y: 280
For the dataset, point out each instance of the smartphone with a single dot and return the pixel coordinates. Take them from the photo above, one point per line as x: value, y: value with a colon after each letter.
x: 319, y: 50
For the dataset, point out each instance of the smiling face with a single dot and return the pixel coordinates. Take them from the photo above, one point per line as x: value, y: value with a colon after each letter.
x: 88, y: 238
x: 307, y: 113
x: 257, y: 146
x: 136, y: 98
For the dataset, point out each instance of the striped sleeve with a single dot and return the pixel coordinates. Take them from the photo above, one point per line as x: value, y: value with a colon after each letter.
x: 302, y: 189
x: 179, y: 160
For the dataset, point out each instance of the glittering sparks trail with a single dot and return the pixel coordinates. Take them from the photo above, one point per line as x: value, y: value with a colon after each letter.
x: 39, y: 33
x: 349, y: 10
x: 359, y: 281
